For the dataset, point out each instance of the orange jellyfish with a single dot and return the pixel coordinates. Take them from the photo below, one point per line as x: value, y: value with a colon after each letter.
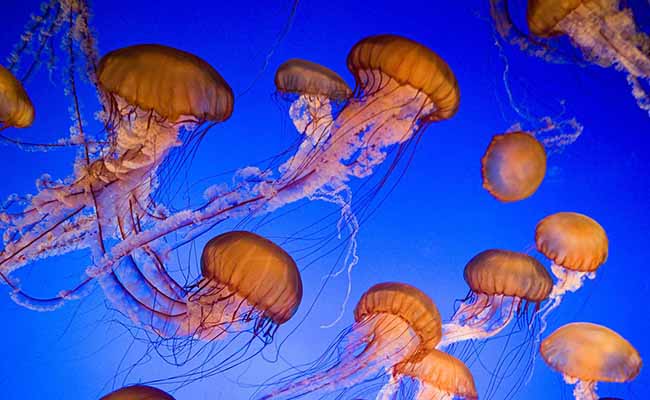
x: 586, y: 354
x: 433, y: 375
x: 513, y: 166
x: 401, y: 86
x: 138, y: 392
x: 502, y: 284
x: 16, y: 109
x: 315, y: 92
x: 249, y: 285
x: 393, y: 322
x: 156, y: 98
x: 606, y: 34
x: 577, y: 245
x: 312, y: 88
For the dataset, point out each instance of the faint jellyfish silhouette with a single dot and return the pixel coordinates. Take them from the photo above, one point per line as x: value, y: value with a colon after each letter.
x: 16, y: 109
x: 577, y: 245
x: 437, y: 376
x: 154, y: 97
x: 393, y: 322
x: 513, y: 166
x: 316, y: 92
x: 586, y: 353
x: 502, y: 285
x: 606, y: 34
x: 138, y: 392
x: 248, y: 285
x: 316, y: 88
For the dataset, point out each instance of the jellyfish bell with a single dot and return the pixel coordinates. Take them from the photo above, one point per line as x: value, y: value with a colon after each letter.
x: 513, y: 166
x: 586, y: 353
x: 606, y: 34
x: 438, y: 376
x: 577, y: 245
x: 502, y: 284
x: 249, y: 284
x: 393, y: 322
x: 138, y: 392
x: 310, y: 79
x: 16, y: 108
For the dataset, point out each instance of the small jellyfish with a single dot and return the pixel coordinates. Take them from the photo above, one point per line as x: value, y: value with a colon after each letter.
x: 502, y: 284
x: 249, y: 285
x: 586, y: 353
x: 393, y: 322
x: 513, y: 166
x: 577, y: 245
x: 438, y: 376
x: 16, y: 109
x: 138, y: 392
x: 316, y: 87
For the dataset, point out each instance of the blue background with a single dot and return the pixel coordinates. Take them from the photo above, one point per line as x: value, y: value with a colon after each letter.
x: 435, y: 220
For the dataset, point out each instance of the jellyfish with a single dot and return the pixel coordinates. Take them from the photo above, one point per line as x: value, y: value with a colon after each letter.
x: 316, y: 88
x: 393, y: 323
x: 64, y: 25
x: 577, y: 245
x: 502, y: 284
x: 606, y: 34
x: 138, y: 392
x: 437, y: 376
x: 586, y: 353
x: 315, y: 93
x: 513, y: 166
x: 16, y: 109
x: 248, y: 285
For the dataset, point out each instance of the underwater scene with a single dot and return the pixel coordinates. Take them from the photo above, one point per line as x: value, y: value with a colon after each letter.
x: 345, y: 200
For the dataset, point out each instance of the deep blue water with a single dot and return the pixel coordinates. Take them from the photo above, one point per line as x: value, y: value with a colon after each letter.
x: 437, y: 217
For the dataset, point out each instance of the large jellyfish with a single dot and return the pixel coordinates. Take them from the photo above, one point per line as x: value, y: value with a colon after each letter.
x: 502, y: 285
x: 606, y: 34
x: 393, y: 322
x: 138, y: 392
x: 152, y: 94
x: 249, y: 284
x: 513, y: 166
x: 586, y: 354
x: 16, y: 109
x: 577, y: 245
x: 435, y: 375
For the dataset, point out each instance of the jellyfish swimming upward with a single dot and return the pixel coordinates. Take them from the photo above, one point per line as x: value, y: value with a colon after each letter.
x: 502, y: 285
x: 110, y: 197
x: 435, y: 375
x: 605, y: 32
x: 248, y: 284
x: 586, y: 353
x: 577, y: 245
x: 314, y: 88
x: 393, y: 322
